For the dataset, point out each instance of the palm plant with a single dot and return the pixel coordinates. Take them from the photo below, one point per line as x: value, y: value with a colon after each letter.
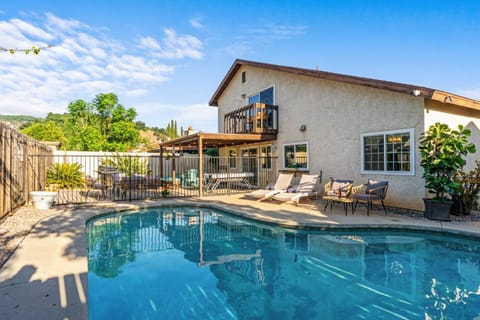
x: 127, y: 164
x: 66, y: 175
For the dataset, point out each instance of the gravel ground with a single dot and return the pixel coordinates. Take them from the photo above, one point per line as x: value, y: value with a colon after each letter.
x: 14, y: 228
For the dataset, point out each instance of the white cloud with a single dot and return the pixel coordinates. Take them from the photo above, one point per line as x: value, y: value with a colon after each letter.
x: 137, y: 93
x: 253, y: 37
x: 239, y: 48
x: 31, y: 30
x: 195, y: 22
x: 275, y: 31
x: 174, y: 46
x: 60, y: 25
x: 82, y: 63
x: 149, y: 43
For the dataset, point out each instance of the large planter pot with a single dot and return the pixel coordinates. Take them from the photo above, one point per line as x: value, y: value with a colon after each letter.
x: 43, y: 199
x: 437, y: 210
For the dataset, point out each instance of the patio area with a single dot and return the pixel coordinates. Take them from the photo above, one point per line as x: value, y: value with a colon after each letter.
x: 45, y: 276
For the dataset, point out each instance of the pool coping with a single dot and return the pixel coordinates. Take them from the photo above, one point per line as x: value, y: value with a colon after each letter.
x: 46, y: 277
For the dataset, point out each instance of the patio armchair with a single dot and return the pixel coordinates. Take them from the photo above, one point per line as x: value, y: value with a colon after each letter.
x: 190, y: 178
x: 373, y: 191
x: 337, y: 187
x: 92, y: 183
x: 338, y: 191
x: 284, y: 181
x: 307, y: 187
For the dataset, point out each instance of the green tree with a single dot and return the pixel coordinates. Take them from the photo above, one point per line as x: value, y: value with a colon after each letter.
x: 46, y: 131
x: 59, y: 119
x: 104, y: 104
x: 102, y: 124
x: 122, y: 136
x: 83, y: 131
x: 140, y: 125
x: 171, y: 129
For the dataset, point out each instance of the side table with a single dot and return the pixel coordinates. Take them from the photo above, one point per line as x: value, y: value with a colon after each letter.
x: 333, y: 199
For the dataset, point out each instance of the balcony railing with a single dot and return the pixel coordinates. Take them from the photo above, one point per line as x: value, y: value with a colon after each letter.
x: 255, y: 118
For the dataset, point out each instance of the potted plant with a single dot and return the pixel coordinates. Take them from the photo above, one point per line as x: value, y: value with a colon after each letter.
x: 165, y: 190
x: 465, y: 199
x: 443, y: 151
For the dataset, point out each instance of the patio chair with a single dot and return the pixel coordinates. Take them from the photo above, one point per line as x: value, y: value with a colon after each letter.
x: 190, y: 178
x: 283, y: 182
x: 373, y: 191
x: 307, y: 187
x: 338, y: 186
x: 95, y: 184
x: 338, y: 191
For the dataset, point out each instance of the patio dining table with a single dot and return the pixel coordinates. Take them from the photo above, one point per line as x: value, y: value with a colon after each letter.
x: 214, y: 179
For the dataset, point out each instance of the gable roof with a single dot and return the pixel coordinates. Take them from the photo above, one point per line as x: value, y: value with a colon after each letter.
x: 428, y: 93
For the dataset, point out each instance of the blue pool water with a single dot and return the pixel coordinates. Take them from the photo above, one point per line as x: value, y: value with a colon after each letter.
x: 200, y: 263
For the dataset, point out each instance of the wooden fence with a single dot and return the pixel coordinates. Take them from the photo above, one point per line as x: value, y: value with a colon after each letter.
x: 17, y: 169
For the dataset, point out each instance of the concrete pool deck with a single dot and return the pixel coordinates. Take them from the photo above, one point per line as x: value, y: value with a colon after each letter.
x: 46, y: 276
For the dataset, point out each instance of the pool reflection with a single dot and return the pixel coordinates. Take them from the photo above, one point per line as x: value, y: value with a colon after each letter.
x: 261, y: 271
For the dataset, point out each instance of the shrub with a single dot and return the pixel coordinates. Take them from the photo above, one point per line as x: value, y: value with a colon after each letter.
x: 443, y: 151
x: 127, y: 164
x: 66, y: 175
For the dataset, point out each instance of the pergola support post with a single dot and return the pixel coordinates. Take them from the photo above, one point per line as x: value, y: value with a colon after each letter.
x: 200, y: 166
x: 161, y: 162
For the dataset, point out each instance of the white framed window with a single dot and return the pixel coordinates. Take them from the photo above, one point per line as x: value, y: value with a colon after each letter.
x: 388, y: 152
x: 295, y: 156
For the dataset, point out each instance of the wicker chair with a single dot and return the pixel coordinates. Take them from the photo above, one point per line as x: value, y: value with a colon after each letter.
x: 373, y: 191
x: 333, y: 187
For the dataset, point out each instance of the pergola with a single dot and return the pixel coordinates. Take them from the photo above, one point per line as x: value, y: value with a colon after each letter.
x: 202, y: 140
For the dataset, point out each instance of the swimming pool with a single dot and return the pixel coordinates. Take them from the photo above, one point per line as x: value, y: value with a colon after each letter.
x: 202, y: 263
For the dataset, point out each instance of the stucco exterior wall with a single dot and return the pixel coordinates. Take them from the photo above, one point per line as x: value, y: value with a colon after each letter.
x: 335, y: 115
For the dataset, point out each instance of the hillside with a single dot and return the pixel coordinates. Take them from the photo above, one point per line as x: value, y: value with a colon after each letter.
x: 17, y: 120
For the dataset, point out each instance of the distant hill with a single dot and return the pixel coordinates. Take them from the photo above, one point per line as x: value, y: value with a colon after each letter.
x: 17, y: 120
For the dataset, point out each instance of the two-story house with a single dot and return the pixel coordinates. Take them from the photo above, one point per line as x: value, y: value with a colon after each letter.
x: 345, y: 126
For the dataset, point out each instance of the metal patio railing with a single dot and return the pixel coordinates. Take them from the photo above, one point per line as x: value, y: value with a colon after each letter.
x: 125, y: 177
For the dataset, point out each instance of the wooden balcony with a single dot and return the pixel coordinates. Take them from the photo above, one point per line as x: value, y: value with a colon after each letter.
x: 259, y: 118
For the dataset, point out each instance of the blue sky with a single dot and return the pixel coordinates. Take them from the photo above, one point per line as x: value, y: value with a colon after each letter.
x: 166, y: 58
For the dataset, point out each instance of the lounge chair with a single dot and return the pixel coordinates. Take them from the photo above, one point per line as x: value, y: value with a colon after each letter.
x: 281, y: 185
x: 373, y: 191
x: 307, y: 187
